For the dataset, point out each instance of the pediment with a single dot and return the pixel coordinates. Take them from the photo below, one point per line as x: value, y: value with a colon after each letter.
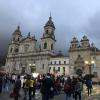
x: 27, y: 40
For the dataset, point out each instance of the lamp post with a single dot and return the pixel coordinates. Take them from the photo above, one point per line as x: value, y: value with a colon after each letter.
x: 89, y: 63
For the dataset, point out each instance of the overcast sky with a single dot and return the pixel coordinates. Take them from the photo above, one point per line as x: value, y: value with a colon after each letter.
x: 71, y: 18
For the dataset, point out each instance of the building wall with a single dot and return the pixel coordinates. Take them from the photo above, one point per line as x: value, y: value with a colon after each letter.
x: 96, y: 66
x: 54, y: 64
x: 73, y: 56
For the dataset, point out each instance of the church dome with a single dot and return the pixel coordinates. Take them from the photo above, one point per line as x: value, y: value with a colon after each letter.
x: 84, y: 38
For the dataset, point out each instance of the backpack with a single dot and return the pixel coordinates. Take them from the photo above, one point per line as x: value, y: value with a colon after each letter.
x: 89, y: 83
x: 18, y: 84
x: 66, y: 88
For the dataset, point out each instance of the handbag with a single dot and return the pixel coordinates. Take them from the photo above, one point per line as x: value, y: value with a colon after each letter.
x: 12, y: 95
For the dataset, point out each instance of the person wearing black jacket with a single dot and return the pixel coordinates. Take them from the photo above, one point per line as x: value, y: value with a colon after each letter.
x: 47, y: 87
x: 17, y: 88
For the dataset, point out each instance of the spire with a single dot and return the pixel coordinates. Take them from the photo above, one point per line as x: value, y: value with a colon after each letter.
x: 50, y: 14
x: 17, y: 31
x: 50, y: 18
x: 18, y: 27
x: 50, y: 22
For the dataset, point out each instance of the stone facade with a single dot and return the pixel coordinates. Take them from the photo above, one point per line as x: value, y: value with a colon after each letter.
x: 81, y: 51
x: 23, y: 55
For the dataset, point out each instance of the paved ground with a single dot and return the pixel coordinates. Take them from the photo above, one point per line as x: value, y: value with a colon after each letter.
x: 95, y: 95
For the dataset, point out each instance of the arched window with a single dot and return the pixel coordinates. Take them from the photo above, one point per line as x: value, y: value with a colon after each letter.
x: 47, y: 31
x: 13, y: 38
x: 16, y: 50
x: 45, y: 45
x: 11, y: 50
x: 43, y: 66
x: 51, y: 46
x: 18, y: 39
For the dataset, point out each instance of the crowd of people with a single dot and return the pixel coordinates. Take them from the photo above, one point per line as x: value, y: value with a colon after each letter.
x: 48, y: 84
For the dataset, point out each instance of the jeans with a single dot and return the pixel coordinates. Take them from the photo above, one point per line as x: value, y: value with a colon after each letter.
x: 68, y: 96
x: 33, y: 89
x: 45, y: 97
x: 25, y: 94
x: 30, y: 93
x: 77, y: 94
x: 89, y: 91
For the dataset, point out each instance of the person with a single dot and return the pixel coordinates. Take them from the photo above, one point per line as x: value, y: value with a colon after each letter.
x: 25, y: 88
x: 67, y: 88
x: 34, y: 87
x: 78, y: 89
x: 31, y: 82
x: 58, y: 85
x: 73, y: 86
x: 89, y: 86
x: 47, y: 88
x: 17, y: 87
x: 1, y: 84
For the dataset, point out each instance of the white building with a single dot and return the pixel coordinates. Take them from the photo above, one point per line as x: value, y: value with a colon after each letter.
x: 59, y: 65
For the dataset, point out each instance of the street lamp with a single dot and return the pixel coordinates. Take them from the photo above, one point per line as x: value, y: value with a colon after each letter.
x: 89, y: 63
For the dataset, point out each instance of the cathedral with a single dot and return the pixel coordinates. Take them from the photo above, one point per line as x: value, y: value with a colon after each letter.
x: 23, y: 55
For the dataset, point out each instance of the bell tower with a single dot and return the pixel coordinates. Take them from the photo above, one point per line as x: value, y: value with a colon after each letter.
x: 48, y: 38
x: 14, y: 45
x: 16, y: 36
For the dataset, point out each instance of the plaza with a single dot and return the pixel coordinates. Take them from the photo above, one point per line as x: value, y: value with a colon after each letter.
x: 62, y: 96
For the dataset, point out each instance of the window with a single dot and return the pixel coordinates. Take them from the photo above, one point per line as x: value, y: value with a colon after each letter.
x: 94, y: 58
x: 63, y: 70
x: 43, y: 66
x: 18, y: 39
x: 45, y: 45
x: 95, y: 74
x: 59, y: 62
x: 16, y: 50
x: 54, y: 69
x: 23, y: 70
x: 59, y: 69
x: 51, y: 46
x: 55, y: 62
x: 13, y: 38
x: 49, y: 69
x: 64, y: 62
x: 11, y: 50
x: 47, y: 31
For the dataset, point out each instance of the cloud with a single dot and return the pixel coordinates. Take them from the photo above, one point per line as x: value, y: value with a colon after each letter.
x: 92, y: 28
x: 71, y: 18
